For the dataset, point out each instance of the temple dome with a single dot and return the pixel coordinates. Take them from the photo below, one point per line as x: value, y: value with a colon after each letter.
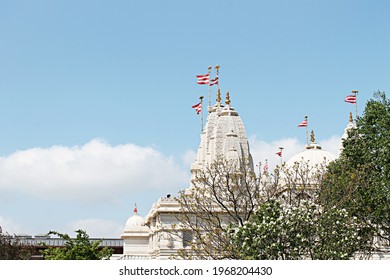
x: 134, y: 222
x: 313, y: 155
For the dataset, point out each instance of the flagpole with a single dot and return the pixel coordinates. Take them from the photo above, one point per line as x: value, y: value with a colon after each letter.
x: 356, y: 92
x: 201, y: 116
x: 307, y: 131
x: 217, y: 74
x: 209, y: 68
x: 281, y: 155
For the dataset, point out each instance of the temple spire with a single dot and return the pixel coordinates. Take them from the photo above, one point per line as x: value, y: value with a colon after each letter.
x: 312, y: 137
x: 227, y: 98
x: 218, y: 97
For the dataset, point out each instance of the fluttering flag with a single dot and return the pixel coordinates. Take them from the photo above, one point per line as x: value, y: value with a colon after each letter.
x: 203, y: 79
x: 135, y: 209
x: 198, y: 107
x: 214, y: 81
x: 350, y: 99
x: 303, y: 123
x: 279, y: 153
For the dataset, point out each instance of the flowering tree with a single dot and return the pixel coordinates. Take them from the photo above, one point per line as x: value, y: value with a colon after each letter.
x: 304, y: 232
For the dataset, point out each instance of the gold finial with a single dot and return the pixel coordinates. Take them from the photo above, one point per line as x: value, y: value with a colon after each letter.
x: 217, y: 67
x: 312, y: 137
x: 219, y: 96
x: 209, y: 68
x: 355, y: 91
x: 350, y: 117
x: 227, y: 98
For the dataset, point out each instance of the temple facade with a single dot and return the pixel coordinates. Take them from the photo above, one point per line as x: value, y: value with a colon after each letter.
x: 223, y: 136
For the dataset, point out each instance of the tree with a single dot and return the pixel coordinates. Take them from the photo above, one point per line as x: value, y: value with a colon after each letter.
x: 80, y: 248
x: 222, y: 194
x: 292, y: 184
x: 287, y: 232
x: 229, y: 213
x: 12, y: 247
x: 359, y: 181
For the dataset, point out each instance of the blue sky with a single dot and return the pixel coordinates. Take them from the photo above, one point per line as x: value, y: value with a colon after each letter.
x: 95, y: 96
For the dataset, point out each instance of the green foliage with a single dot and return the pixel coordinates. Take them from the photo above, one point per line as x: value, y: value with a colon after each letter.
x: 297, y: 232
x: 359, y: 180
x: 80, y: 248
x: 13, y: 248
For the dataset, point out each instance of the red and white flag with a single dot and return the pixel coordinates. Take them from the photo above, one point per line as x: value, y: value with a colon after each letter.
x: 198, y: 107
x: 350, y: 99
x: 303, y: 123
x: 214, y: 81
x: 279, y: 153
x: 203, y: 79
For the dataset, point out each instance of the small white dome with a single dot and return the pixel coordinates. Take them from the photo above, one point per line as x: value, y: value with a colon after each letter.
x: 135, y: 222
x: 135, y: 235
x: 313, y: 155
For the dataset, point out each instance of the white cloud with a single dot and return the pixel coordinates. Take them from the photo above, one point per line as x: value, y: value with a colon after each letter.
x: 93, y: 172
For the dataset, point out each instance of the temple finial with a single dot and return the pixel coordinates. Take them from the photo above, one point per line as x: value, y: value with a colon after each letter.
x: 227, y: 98
x: 312, y: 137
x: 218, y: 96
x: 135, y: 209
x: 350, y: 117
